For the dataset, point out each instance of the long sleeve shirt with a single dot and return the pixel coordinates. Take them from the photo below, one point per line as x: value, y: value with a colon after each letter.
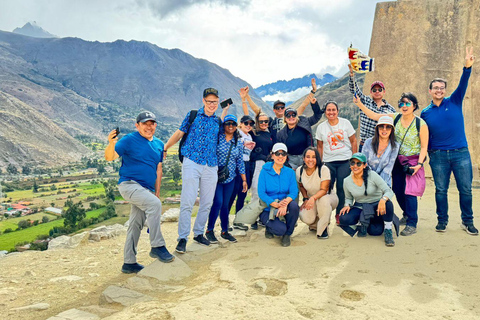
x: 382, y: 165
x: 376, y: 189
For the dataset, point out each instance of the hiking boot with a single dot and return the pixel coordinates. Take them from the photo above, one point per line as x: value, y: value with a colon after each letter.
x: 228, y: 236
x: 131, y: 267
x: 162, y: 254
x: 362, y: 232
x: 441, y: 227
x: 200, y: 239
x: 286, y: 240
x: 470, y: 229
x: 268, y: 234
x: 210, y: 235
x: 403, y: 221
x: 240, y: 226
x: 181, y: 246
x: 254, y: 226
x: 388, y: 238
x: 324, y: 235
x: 408, y: 231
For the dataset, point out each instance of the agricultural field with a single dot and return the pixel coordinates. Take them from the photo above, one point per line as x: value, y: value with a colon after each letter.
x: 12, y: 223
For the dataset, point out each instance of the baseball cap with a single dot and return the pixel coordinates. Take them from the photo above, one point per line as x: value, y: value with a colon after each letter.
x: 377, y: 83
x: 359, y: 156
x: 145, y: 116
x: 279, y: 102
x: 246, y: 118
x: 279, y: 146
x: 208, y: 91
x: 230, y: 117
x: 290, y: 110
x: 385, y: 120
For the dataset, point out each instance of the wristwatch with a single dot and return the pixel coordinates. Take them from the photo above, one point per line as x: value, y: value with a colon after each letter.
x: 421, y: 164
x: 305, y: 199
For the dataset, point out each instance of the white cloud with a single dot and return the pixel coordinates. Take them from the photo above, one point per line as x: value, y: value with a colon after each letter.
x: 288, y: 96
x: 260, y: 41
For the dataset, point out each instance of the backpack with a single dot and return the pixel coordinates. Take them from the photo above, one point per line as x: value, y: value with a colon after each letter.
x: 191, y: 118
x: 417, y: 122
x: 319, y: 175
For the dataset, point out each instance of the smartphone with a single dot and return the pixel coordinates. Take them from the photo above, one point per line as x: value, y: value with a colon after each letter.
x: 117, y: 131
x: 225, y: 103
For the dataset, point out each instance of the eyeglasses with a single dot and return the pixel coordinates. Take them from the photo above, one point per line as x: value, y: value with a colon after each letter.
x: 290, y: 115
x: 249, y: 123
x: 403, y: 104
x: 279, y: 107
x: 211, y: 101
x: 385, y: 126
x: 438, y: 88
x: 262, y: 121
x: 280, y: 153
x: 354, y: 163
x: 379, y: 90
x: 229, y: 124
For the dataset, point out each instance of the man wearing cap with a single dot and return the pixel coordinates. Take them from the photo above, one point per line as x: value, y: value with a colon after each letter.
x: 448, y: 147
x: 139, y: 184
x: 199, y: 168
x: 374, y: 102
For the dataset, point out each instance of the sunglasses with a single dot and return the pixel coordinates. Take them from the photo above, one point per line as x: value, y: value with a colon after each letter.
x: 377, y: 90
x: 230, y: 124
x: 290, y: 115
x: 384, y: 126
x: 280, y: 153
x: 354, y: 163
x: 279, y: 107
x: 249, y: 123
x: 262, y: 121
x: 403, y: 104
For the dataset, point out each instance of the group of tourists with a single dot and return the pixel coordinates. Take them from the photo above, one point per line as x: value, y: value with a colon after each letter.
x: 281, y: 159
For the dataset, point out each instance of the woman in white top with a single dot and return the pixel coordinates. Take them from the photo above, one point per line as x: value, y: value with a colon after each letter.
x: 318, y: 199
x: 336, y: 142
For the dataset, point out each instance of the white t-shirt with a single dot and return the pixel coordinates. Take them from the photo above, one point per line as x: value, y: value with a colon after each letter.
x: 336, y: 142
x: 245, y: 137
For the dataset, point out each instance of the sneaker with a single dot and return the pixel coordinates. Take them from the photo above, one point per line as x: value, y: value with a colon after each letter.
x: 337, y: 219
x: 240, y: 226
x: 228, y: 236
x: 254, y: 226
x: 286, y: 241
x: 441, y: 227
x: 388, y: 238
x: 260, y: 223
x: 210, y: 235
x: 403, y: 221
x: 131, y: 267
x: 268, y: 234
x: 200, y: 239
x: 162, y: 254
x: 362, y: 231
x: 470, y: 229
x: 408, y: 231
x: 324, y: 235
x: 181, y: 246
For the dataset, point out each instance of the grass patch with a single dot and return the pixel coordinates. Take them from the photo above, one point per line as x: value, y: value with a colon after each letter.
x: 13, y: 222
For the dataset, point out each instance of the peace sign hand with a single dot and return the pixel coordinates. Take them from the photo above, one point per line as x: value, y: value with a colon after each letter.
x: 469, y: 57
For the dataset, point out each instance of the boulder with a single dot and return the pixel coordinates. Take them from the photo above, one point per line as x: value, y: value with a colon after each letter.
x: 102, y: 312
x: 171, y: 215
x: 125, y: 297
x: 66, y: 242
x: 107, y: 232
x: 75, y: 314
x: 33, y: 307
x: 175, y: 270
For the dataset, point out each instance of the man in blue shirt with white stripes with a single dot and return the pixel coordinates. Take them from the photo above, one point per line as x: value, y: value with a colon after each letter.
x: 448, y: 148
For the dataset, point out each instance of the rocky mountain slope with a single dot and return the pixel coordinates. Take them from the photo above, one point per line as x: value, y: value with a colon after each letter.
x: 32, y: 29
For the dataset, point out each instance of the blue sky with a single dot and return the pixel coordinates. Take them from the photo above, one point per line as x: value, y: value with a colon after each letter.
x: 261, y: 41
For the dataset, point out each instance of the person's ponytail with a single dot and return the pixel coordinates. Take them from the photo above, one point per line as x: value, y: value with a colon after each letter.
x: 365, y: 178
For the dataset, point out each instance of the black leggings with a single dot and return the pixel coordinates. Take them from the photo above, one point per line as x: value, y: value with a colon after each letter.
x: 376, y: 223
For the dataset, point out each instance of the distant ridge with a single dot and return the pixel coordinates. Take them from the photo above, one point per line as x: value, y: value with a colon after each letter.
x: 32, y: 29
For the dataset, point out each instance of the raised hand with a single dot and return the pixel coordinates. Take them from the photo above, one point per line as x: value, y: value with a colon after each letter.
x: 243, y: 93
x: 357, y: 100
x: 314, y: 85
x: 312, y: 98
x: 247, y: 89
x: 469, y: 57
x: 351, y: 70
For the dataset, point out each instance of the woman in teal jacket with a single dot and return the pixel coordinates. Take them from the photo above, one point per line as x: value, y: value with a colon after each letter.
x: 277, y: 187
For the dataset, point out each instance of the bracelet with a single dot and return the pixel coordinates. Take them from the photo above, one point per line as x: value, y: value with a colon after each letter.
x: 421, y: 164
x: 312, y: 91
x: 305, y: 199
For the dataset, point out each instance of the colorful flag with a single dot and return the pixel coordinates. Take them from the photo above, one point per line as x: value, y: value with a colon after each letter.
x: 361, y: 63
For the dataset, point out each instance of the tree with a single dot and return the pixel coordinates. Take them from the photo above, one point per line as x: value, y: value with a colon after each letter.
x: 26, y: 170
x: 24, y: 224
x: 53, y: 187
x: 35, y: 222
x: 45, y: 219
x: 74, y: 214
x: 101, y: 169
x: 11, y: 169
x: 35, y: 187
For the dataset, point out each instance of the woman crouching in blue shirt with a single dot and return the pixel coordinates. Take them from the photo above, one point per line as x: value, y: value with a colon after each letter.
x: 230, y: 154
x: 277, y: 187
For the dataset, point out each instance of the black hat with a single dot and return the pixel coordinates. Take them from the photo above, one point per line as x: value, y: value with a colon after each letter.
x: 208, y: 91
x: 145, y: 116
x: 290, y: 110
x: 246, y: 118
x: 278, y: 102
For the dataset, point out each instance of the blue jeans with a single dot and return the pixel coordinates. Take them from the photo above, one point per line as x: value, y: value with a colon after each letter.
x: 223, y: 193
x: 237, y: 191
x: 376, y: 223
x: 408, y: 203
x: 278, y: 227
x: 443, y: 163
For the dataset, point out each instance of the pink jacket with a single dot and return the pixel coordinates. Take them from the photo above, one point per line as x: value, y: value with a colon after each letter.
x: 415, y: 185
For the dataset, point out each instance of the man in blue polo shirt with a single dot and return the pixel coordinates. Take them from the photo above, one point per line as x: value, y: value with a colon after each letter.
x: 139, y: 184
x: 448, y: 148
x: 199, y: 168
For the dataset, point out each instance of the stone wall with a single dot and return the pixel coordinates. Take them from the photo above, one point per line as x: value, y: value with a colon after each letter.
x: 416, y: 41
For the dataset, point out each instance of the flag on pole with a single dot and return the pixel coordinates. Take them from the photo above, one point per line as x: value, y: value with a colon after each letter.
x: 361, y: 63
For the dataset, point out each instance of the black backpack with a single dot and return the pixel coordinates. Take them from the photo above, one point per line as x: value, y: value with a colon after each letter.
x: 191, y: 118
x: 417, y: 122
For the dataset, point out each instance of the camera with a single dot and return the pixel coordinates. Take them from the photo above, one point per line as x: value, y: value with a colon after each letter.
x: 407, y: 169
